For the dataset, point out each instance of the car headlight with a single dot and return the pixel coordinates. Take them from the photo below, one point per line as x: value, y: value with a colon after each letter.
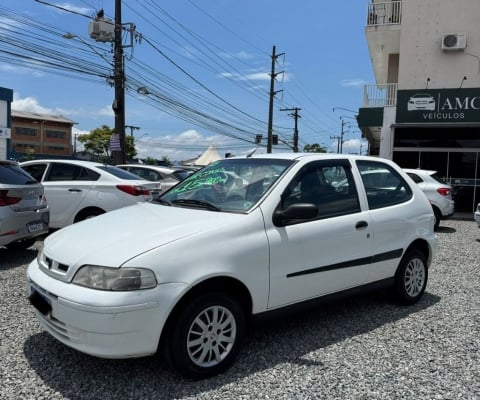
x: 114, y: 279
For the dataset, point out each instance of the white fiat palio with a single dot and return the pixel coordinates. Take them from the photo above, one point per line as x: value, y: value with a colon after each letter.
x: 185, y: 274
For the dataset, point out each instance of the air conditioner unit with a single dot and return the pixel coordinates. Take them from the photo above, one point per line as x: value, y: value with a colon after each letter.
x: 454, y: 41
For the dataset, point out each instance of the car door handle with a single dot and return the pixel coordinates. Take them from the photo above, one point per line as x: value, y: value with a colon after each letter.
x: 74, y: 190
x: 361, y: 224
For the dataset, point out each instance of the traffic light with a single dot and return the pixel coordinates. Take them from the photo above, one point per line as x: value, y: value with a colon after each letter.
x: 274, y: 139
x: 258, y: 139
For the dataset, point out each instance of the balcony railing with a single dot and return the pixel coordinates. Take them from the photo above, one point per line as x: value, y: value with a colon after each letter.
x: 380, y: 95
x: 386, y: 13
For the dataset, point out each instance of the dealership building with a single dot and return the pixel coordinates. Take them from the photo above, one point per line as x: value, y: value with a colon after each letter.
x: 423, y: 111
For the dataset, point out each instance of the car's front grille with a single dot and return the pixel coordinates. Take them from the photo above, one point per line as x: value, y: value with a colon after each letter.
x: 50, y: 265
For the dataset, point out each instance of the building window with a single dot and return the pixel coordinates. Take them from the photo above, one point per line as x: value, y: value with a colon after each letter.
x: 56, y: 134
x: 25, y: 131
x: 56, y: 148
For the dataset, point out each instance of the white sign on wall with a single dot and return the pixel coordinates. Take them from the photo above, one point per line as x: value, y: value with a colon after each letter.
x: 5, y: 133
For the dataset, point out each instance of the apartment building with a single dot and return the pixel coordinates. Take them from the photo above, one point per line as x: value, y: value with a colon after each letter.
x: 34, y: 134
x: 423, y: 110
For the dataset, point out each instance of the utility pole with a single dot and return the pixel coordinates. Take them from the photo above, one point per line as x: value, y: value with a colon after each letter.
x: 118, y: 105
x: 132, y: 128
x: 296, y: 116
x: 338, y: 138
x: 341, y: 135
x: 272, y: 95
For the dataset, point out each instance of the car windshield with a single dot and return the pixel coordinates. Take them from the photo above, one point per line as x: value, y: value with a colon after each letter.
x: 232, y: 185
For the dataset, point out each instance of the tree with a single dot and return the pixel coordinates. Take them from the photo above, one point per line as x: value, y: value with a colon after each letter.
x: 314, y: 148
x: 165, y: 160
x: 98, y: 143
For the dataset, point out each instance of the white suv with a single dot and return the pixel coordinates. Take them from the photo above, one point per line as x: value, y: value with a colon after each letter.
x: 184, y: 275
x: 78, y: 190
x: 438, y: 192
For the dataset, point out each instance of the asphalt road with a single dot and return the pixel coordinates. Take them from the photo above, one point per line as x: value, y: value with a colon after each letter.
x: 362, y: 348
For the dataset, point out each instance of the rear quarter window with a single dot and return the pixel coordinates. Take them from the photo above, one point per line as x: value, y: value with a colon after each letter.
x: 384, y: 186
x: 11, y: 174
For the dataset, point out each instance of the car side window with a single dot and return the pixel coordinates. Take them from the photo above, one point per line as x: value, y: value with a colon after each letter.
x: 328, y: 185
x: 68, y: 172
x: 384, y: 186
x: 36, y: 170
x: 415, y: 177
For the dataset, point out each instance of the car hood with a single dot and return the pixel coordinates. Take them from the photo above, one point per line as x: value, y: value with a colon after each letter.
x: 114, y: 238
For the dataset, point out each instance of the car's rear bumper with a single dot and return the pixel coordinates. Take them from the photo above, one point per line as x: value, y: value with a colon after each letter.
x: 23, y: 225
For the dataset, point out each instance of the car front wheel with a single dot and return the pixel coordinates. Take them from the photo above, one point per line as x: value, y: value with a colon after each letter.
x: 206, y: 335
x: 411, y: 277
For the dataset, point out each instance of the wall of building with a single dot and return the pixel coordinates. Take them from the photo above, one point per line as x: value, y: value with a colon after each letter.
x: 421, y: 56
x: 6, y: 97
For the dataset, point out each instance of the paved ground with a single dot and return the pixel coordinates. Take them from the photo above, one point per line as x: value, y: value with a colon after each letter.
x: 362, y: 348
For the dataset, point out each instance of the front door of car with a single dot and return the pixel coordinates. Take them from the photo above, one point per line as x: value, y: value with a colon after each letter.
x: 330, y: 253
x: 65, y: 193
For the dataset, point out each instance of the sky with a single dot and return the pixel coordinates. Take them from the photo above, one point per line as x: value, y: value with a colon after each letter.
x: 204, y: 67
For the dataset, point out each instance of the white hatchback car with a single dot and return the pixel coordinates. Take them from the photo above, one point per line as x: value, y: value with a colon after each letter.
x: 438, y: 192
x: 185, y: 275
x: 78, y: 190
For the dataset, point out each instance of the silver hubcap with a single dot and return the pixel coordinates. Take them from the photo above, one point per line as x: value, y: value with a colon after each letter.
x: 211, y: 336
x: 414, y: 277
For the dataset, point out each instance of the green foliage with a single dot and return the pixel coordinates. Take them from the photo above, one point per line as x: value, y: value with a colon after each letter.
x: 314, y: 148
x: 98, y: 143
x: 150, y: 161
x: 166, y: 161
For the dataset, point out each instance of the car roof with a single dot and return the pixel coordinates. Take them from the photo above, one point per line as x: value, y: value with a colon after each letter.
x: 161, y: 168
x: 420, y: 171
x: 67, y: 161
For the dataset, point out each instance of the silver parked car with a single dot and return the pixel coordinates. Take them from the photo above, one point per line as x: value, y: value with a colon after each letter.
x: 168, y: 177
x: 438, y: 192
x: 24, y: 214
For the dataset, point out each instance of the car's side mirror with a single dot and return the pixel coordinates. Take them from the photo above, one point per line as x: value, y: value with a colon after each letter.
x: 295, y: 213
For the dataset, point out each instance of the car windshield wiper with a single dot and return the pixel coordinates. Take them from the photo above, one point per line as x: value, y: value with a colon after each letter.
x: 161, y: 201
x: 196, y: 203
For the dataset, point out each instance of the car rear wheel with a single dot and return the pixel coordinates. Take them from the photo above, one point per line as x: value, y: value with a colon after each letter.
x: 206, y: 335
x: 411, y: 277
x: 438, y: 217
x: 88, y: 213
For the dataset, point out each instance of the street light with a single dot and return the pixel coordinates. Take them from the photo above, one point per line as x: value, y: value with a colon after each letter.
x: 73, y: 36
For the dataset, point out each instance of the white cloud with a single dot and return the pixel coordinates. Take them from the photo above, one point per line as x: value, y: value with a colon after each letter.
x: 74, y: 8
x: 30, y: 104
x: 241, y: 55
x: 353, y: 82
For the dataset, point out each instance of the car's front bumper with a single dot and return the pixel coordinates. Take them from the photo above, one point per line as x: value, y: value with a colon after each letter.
x: 101, y: 323
x: 476, y: 217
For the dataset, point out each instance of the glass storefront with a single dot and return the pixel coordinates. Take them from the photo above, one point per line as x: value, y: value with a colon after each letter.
x: 452, y: 151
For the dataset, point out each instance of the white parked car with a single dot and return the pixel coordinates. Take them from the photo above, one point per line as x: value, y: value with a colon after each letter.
x: 185, y: 275
x: 438, y: 192
x: 476, y: 215
x: 78, y: 190
x: 168, y: 177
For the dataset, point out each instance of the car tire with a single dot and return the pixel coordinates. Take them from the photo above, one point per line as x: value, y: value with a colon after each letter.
x: 411, y: 277
x: 88, y: 213
x: 21, y: 244
x: 438, y: 217
x: 206, y: 335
